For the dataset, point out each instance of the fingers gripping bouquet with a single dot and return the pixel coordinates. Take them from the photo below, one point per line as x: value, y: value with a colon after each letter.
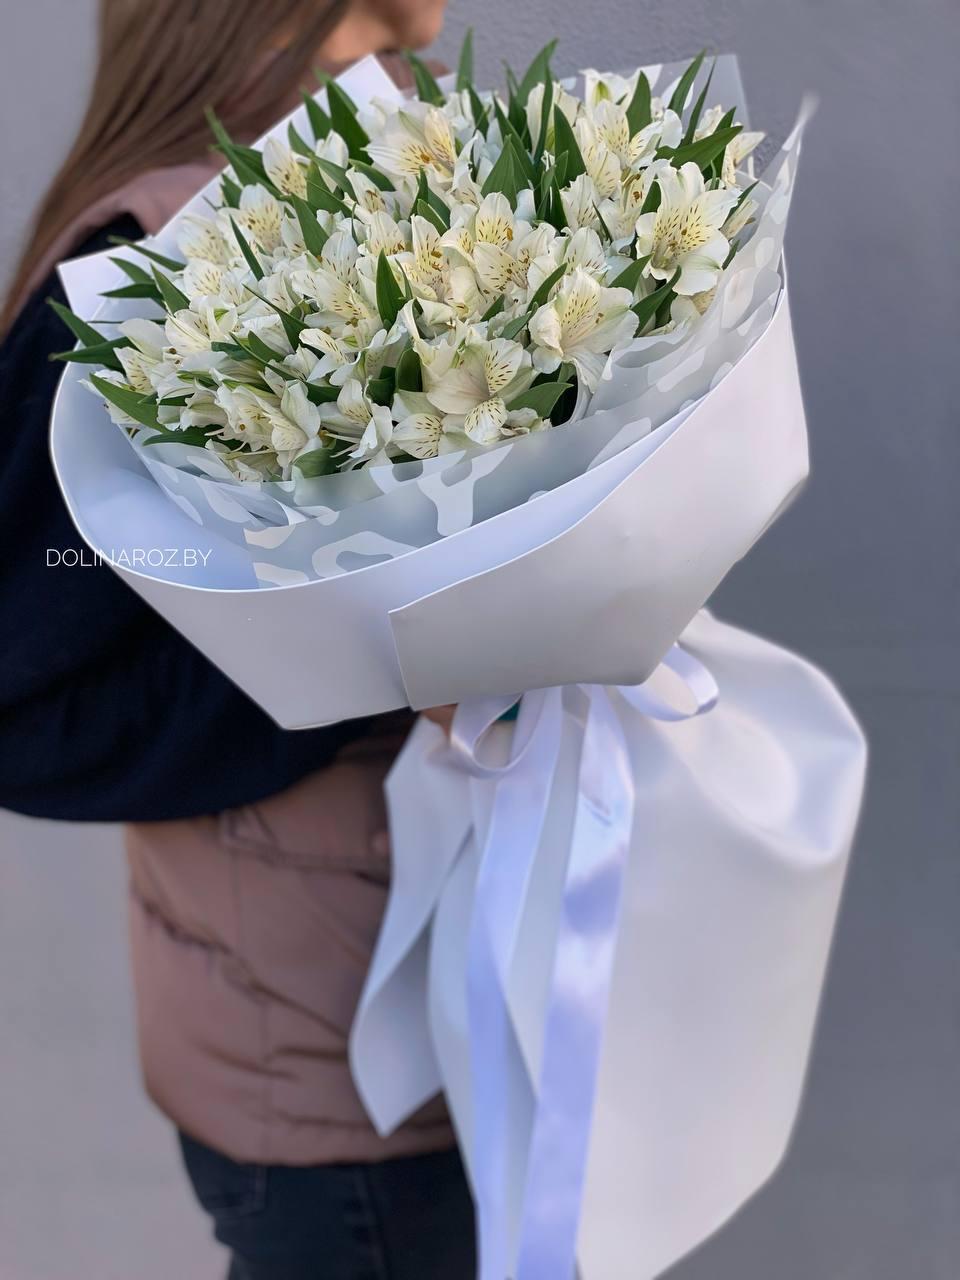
x: 475, y: 398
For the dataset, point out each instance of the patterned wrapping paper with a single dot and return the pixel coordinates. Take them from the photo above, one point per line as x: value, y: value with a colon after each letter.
x: 302, y: 528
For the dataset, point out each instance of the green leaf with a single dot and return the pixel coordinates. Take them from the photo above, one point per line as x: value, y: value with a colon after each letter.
x: 543, y: 292
x: 319, y: 120
x: 247, y: 163
x: 565, y: 144
x: 314, y: 236
x: 135, y: 291
x: 698, y: 106
x: 523, y: 164
x: 338, y: 174
x: 186, y: 435
x: 494, y: 309
x: 516, y: 326
x: 253, y: 262
x: 101, y: 353
x: 292, y: 326
x: 134, y: 272
x: 427, y: 88
x: 652, y: 202
x: 681, y: 93
x: 321, y: 392
x: 380, y: 390
x: 343, y: 117
x: 640, y: 110
x: 707, y: 150
x: 390, y: 297
x: 170, y: 263
x: 376, y: 177
x: 319, y: 195
x: 546, y: 106
x: 630, y: 276
x: 648, y: 307
x: 503, y: 176
x: 142, y: 409
x: 261, y: 350
x: 536, y: 73
x: 318, y: 462
x: 297, y: 143
x: 541, y: 398
x: 82, y: 331
x: 465, y: 65
x: 230, y: 192
x: 480, y: 114
x: 427, y: 211
x: 409, y: 371
x: 428, y: 196
x: 173, y: 298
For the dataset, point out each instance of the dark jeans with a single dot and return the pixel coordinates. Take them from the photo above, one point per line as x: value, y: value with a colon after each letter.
x: 408, y: 1219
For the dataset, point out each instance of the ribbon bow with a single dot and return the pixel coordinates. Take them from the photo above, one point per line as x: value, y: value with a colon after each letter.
x: 556, y: 1165
x: 505, y: 806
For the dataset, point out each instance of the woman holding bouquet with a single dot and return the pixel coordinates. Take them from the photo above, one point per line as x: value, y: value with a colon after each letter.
x: 258, y: 858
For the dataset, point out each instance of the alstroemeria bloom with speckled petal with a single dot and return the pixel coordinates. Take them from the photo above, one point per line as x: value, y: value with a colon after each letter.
x: 479, y: 385
x: 684, y: 233
x: 418, y: 137
x: 283, y: 168
x: 737, y: 151
x: 583, y: 322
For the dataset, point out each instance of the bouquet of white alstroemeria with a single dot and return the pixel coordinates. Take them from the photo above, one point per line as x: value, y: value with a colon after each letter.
x: 347, y: 403
x: 429, y: 275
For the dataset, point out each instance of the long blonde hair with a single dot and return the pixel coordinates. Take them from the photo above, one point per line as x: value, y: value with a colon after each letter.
x: 161, y: 63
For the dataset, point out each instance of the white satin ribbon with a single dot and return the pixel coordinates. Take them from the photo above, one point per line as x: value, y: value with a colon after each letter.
x: 583, y: 961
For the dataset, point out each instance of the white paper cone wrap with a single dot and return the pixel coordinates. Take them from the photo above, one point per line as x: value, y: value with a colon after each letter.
x: 646, y: 536
x: 742, y: 830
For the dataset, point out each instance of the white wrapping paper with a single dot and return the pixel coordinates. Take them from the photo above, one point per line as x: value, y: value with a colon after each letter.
x: 743, y: 826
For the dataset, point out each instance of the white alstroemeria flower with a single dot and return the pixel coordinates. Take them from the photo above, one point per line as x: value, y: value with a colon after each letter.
x: 418, y: 137
x: 568, y: 104
x: 117, y: 416
x: 199, y: 237
x: 620, y: 214
x: 205, y: 279
x: 298, y: 409
x: 424, y: 266
x: 585, y: 250
x: 369, y: 197
x: 251, y: 415
x: 336, y: 286
x: 383, y: 235
x: 664, y: 130
x: 741, y: 216
x: 420, y: 427
x: 582, y: 323
x: 687, y: 310
x: 374, y: 446
x: 685, y: 231
x: 605, y: 86
x: 334, y: 355
x: 191, y: 333
x: 602, y: 163
x: 478, y: 385
x: 737, y: 151
x: 580, y: 200
x: 284, y: 169
x: 259, y: 217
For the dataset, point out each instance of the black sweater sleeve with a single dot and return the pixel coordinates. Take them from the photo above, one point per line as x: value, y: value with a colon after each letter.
x: 106, y: 712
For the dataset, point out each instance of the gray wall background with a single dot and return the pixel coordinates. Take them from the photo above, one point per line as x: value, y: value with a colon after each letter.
x: 862, y: 575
